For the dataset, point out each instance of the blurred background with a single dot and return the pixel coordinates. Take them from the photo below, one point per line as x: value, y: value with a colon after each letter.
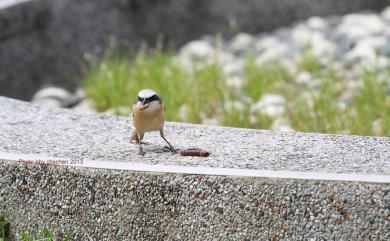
x: 286, y: 65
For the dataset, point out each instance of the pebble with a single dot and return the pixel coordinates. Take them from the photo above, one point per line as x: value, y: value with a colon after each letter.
x: 281, y: 124
x: 233, y: 68
x: 242, y: 43
x: 86, y: 105
x: 272, y: 105
x: 386, y: 14
x: 317, y: 23
x: 197, y: 50
x: 52, y: 97
x: 303, y: 78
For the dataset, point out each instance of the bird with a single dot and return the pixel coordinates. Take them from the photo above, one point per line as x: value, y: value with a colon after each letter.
x: 148, y: 115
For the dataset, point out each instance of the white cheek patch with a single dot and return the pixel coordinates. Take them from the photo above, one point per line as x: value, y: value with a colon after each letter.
x: 153, y: 106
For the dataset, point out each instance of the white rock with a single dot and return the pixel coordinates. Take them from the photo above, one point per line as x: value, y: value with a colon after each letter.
x: 386, y: 31
x: 289, y: 65
x: 52, y: 97
x: 197, y: 50
x: 221, y: 57
x: 355, y: 84
x: 272, y: 105
x: 302, y: 35
x: 383, y: 62
x: 386, y: 14
x: 110, y: 111
x: 86, y: 105
x: 194, y: 56
x: 321, y: 47
x: 266, y: 42
x: 314, y: 84
x: 303, y: 78
x: 271, y: 54
x: 281, y: 124
x: 357, y: 26
x: 359, y: 54
x: 234, y: 82
x: 50, y: 92
x: 242, y: 43
x: 380, y: 63
x: 353, y: 33
x: 375, y: 42
x: 317, y: 23
x: 317, y: 41
x: 233, y: 68
x: 385, y: 49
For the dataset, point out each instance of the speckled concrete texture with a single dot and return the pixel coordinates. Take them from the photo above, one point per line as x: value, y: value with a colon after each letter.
x: 123, y: 205
x: 108, y: 204
x: 30, y: 129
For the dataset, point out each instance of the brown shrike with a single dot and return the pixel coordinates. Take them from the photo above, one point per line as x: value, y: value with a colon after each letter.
x: 148, y: 115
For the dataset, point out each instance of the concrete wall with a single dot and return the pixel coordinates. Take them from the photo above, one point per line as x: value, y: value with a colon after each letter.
x: 45, y: 42
x: 255, y: 185
x: 104, y: 204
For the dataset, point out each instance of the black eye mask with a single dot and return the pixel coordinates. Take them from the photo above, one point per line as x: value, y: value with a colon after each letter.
x: 150, y: 99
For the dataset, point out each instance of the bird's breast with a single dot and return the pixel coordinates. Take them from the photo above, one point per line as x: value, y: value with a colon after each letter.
x: 149, y: 119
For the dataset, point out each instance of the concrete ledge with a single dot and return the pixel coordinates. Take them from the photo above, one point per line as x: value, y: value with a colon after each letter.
x: 255, y: 184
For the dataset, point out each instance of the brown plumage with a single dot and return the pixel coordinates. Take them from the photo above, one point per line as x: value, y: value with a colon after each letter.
x: 148, y: 115
x: 145, y: 121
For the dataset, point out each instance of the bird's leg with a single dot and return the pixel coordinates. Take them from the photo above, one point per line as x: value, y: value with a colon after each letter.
x: 170, y: 146
x: 140, y: 136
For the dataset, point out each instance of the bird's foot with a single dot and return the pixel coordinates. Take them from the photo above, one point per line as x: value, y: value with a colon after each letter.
x: 141, y: 153
x: 169, y: 148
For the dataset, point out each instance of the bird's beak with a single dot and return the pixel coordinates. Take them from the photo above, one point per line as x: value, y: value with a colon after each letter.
x: 144, y: 106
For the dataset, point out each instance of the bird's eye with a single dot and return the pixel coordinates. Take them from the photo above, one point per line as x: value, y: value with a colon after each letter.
x: 155, y: 97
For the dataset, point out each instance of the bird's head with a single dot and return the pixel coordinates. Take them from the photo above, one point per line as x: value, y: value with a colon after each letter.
x: 147, y: 98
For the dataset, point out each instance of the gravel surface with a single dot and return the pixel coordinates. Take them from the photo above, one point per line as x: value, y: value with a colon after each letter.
x: 123, y: 205
x: 30, y: 129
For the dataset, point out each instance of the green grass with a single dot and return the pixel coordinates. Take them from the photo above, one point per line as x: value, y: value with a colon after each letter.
x: 47, y: 234
x: 115, y: 80
x: 5, y: 226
